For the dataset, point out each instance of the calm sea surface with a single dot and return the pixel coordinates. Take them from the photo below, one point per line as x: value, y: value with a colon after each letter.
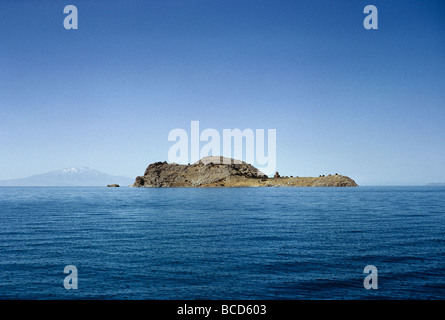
x: 241, y: 243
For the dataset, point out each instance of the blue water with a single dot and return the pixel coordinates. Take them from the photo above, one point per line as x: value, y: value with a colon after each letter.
x: 208, y: 243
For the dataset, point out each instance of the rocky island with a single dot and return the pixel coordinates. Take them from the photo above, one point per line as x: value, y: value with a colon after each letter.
x: 226, y: 172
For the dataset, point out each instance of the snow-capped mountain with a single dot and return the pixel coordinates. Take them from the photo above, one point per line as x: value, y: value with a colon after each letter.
x: 75, y: 176
x: 77, y: 170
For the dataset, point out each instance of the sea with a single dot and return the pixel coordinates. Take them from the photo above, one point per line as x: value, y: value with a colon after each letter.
x: 222, y: 243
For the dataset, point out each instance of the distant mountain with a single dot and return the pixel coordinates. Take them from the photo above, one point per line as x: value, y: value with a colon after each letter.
x: 81, y: 176
x: 439, y: 184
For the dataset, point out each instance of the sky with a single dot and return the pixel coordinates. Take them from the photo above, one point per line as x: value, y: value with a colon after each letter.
x: 368, y: 104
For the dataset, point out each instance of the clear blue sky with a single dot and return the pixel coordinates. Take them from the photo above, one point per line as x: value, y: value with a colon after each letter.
x: 367, y: 104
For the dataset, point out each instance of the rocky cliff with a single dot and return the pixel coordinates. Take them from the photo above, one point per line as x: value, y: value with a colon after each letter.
x: 224, y: 172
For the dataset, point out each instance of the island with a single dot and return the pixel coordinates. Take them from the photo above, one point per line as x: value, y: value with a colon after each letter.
x: 225, y: 172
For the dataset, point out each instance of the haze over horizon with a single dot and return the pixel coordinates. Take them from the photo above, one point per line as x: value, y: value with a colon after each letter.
x: 368, y: 104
